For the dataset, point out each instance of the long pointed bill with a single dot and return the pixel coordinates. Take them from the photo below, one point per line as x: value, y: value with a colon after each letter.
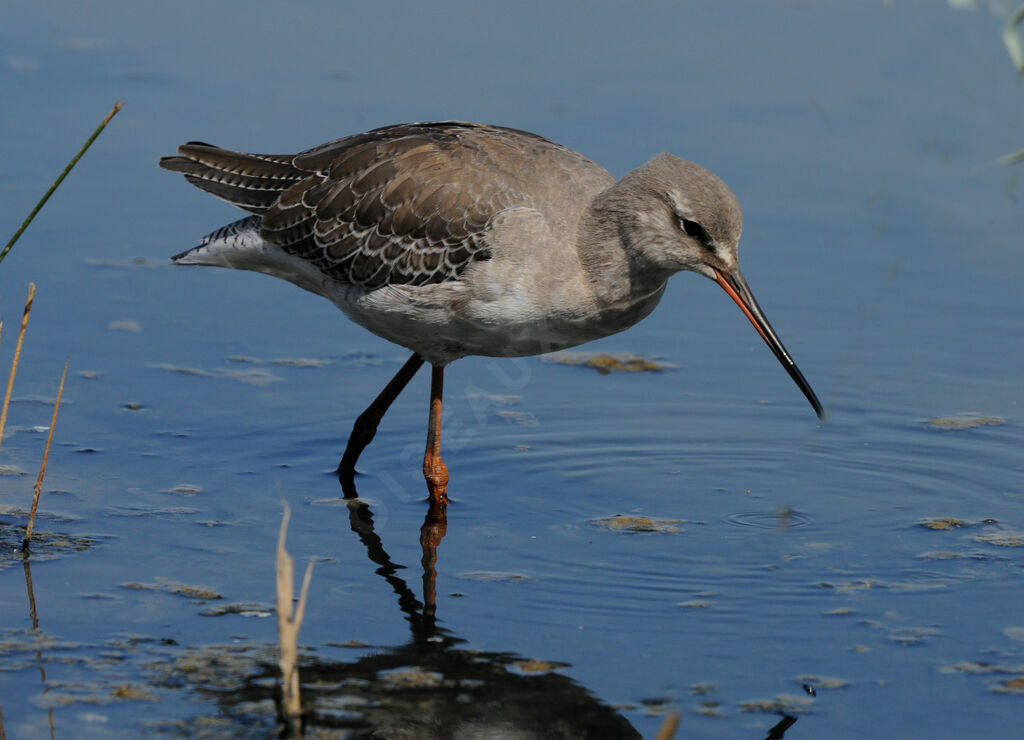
x: 737, y: 288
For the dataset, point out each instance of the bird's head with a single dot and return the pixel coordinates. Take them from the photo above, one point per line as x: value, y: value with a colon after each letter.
x: 674, y: 215
x: 683, y: 217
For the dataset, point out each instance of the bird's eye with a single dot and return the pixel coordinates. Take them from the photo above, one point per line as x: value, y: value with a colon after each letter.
x: 692, y: 228
x: 695, y: 231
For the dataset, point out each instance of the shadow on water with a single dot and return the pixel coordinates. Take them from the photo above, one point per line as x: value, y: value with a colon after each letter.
x: 428, y: 687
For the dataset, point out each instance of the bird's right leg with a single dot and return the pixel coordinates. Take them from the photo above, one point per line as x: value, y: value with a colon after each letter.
x: 434, y: 469
x: 366, y: 425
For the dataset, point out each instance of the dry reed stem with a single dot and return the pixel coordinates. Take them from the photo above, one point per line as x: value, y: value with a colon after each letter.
x: 60, y: 179
x: 46, y: 455
x: 288, y: 625
x: 668, y: 727
x: 17, y: 357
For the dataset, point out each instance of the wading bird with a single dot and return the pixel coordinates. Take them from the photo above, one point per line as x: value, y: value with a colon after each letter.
x: 455, y: 239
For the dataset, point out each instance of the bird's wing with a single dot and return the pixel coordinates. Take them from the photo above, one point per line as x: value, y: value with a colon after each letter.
x: 401, y: 205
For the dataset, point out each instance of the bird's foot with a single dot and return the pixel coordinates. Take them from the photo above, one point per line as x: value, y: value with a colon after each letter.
x: 436, y: 474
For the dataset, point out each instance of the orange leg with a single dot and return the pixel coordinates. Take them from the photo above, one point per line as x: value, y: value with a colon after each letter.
x: 366, y: 425
x: 434, y: 469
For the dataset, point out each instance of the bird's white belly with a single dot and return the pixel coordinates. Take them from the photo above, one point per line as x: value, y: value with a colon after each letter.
x: 443, y: 326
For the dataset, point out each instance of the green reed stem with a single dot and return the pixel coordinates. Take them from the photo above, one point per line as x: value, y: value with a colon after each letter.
x: 60, y: 179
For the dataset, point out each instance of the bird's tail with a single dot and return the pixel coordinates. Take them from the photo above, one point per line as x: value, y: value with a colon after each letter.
x: 250, y: 181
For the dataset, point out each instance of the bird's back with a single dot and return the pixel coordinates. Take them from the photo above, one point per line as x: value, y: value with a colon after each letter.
x: 408, y: 204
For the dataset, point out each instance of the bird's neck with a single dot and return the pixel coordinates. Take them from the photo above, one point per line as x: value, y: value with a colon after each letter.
x: 621, y: 277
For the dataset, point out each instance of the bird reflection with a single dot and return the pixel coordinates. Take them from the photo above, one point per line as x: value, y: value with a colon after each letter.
x: 451, y: 692
x: 421, y: 617
x: 431, y: 686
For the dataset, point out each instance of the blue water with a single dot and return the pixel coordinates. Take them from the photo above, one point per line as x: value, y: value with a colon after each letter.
x: 881, y: 238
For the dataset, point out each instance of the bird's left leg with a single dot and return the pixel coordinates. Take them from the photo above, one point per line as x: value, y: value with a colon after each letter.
x: 366, y: 425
